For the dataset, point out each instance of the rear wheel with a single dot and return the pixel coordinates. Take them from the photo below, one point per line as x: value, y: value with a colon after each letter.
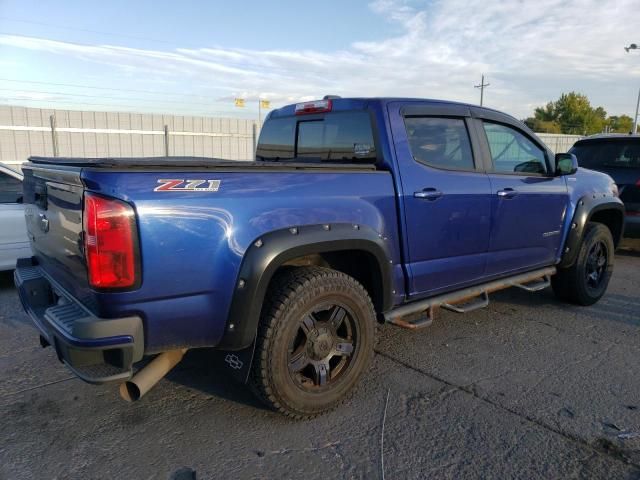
x: 316, y: 338
x: 586, y: 281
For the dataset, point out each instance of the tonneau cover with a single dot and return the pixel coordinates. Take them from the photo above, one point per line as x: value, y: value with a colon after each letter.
x: 191, y: 162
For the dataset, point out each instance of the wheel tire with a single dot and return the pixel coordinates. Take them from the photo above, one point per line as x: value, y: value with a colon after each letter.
x: 578, y: 283
x: 301, y: 320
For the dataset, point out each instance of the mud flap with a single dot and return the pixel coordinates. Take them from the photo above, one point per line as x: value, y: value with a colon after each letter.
x: 236, y: 363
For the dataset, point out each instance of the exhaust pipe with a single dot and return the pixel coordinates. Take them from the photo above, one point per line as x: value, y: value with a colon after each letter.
x: 145, y: 379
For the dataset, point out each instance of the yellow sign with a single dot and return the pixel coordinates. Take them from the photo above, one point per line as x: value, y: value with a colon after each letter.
x: 239, y: 102
x: 265, y: 104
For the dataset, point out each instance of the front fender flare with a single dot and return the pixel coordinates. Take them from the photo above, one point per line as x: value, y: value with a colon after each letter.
x: 267, y: 253
x: 587, y: 206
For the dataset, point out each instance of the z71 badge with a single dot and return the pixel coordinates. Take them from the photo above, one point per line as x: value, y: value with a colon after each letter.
x: 181, y: 185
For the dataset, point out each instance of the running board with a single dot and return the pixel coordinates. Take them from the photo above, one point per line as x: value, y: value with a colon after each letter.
x: 534, y: 286
x: 422, y: 320
x: 479, y: 302
x: 425, y: 309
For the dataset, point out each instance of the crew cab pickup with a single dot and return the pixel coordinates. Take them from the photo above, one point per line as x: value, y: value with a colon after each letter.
x: 355, y: 212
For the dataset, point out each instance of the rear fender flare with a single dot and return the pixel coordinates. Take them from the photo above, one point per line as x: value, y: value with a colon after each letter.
x: 269, y: 252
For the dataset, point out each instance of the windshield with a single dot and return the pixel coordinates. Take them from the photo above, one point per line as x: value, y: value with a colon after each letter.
x: 617, y: 154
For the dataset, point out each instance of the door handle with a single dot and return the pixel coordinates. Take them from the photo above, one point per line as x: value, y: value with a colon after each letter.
x: 428, y: 194
x: 507, y: 193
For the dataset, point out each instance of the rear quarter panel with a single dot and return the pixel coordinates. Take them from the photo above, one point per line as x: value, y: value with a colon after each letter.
x: 192, y: 243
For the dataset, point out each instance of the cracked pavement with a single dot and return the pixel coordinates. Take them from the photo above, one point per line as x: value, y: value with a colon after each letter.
x: 528, y: 388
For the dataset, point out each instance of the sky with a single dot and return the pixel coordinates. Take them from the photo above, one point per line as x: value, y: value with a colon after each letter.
x: 195, y: 57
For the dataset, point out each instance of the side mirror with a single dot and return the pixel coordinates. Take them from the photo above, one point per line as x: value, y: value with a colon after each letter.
x: 566, y: 164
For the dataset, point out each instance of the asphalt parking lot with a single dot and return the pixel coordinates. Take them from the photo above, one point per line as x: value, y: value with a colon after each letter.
x: 528, y: 388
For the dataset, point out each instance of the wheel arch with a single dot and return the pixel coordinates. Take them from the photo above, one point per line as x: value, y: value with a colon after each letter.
x: 591, y: 208
x: 339, y: 245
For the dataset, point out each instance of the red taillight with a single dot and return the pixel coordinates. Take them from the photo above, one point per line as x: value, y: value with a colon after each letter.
x: 110, y: 242
x: 638, y: 183
x: 317, y: 106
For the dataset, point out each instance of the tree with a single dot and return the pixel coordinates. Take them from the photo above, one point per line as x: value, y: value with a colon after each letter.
x: 621, y: 124
x: 572, y: 113
x: 576, y: 115
x: 543, y: 126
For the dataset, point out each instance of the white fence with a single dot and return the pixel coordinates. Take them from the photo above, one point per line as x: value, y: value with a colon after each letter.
x: 557, y: 142
x: 66, y: 133
x: 28, y: 131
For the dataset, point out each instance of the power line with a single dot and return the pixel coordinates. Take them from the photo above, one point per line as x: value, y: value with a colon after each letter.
x: 66, y: 27
x: 18, y: 91
x: 151, y: 92
x: 88, y: 104
x: 238, y: 65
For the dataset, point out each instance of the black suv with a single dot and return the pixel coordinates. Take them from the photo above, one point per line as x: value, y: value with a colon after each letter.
x: 618, y: 156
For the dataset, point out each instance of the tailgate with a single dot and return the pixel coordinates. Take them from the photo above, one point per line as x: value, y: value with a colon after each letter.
x: 53, y: 198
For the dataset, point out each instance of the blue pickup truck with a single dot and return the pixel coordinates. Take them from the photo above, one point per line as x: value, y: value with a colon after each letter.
x: 355, y: 212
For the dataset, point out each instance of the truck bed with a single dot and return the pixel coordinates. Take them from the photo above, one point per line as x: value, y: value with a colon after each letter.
x: 174, y: 163
x: 197, y: 238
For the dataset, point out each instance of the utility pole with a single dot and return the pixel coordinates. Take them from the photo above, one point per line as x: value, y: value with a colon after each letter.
x: 634, y: 46
x: 635, y: 119
x: 481, y: 87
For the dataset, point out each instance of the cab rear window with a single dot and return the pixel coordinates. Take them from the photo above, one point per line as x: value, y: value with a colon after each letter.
x: 332, y: 137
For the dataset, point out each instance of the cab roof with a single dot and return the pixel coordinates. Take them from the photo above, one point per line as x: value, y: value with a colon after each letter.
x: 360, y: 103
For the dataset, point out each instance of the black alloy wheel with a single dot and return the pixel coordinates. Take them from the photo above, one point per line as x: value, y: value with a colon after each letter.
x: 314, y: 342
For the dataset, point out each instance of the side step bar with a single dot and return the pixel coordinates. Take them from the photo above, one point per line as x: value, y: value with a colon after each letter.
x: 424, y: 310
x: 536, y: 285
x: 479, y: 302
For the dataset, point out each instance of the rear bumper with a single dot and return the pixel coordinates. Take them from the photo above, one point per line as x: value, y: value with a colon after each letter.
x: 98, y: 350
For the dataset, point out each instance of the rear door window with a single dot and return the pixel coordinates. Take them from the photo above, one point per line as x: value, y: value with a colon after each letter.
x: 440, y: 142
x: 333, y: 137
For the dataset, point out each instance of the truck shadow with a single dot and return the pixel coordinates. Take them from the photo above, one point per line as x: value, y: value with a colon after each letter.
x: 11, y: 313
x: 628, y: 252
x: 6, y: 280
x: 199, y: 371
x: 630, y: 247
x: 612, y: 307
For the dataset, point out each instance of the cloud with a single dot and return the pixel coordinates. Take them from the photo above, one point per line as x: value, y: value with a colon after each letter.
x: 530, y: 52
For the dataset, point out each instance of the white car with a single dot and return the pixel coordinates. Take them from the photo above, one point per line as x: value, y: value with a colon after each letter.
x: 14, y: 242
